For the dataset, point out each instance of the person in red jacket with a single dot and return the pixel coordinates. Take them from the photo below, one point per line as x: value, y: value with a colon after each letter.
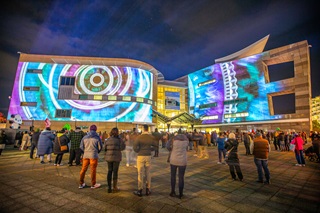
x: 298, y: 142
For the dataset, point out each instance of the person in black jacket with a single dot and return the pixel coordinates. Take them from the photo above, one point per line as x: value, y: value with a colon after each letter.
x: 233, y: 160
x: 34, y: 142
x: 60, y: 140
x: 113, y: 147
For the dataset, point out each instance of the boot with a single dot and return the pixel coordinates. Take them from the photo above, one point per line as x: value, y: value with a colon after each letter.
x: 148, y: 192
x: 138, y: 193
x: 115, y: 187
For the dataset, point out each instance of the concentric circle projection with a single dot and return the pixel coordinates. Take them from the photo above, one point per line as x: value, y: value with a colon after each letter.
x: 97, y: 79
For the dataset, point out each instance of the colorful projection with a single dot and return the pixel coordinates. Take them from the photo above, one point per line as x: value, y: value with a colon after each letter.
x: 230, y: 92
x: 39, y: 87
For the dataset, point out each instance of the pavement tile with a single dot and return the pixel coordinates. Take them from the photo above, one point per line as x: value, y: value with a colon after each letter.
x: 208, y: 186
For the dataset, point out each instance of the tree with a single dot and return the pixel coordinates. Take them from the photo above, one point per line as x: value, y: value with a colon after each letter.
x: 2, y: 118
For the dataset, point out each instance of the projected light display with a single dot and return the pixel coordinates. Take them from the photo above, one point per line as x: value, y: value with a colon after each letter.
x: 229, y: 92
x: 37, y: 90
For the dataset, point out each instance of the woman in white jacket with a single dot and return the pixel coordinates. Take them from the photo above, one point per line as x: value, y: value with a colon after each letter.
x: 178, y: 146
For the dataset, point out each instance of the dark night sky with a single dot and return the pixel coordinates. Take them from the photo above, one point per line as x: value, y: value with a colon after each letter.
x: 176, y: 37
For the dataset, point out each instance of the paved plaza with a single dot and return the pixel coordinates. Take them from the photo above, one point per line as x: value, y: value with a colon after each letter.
x: 28, y: 186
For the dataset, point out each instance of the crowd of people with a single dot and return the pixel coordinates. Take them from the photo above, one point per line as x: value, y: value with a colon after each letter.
x: 140, y: 148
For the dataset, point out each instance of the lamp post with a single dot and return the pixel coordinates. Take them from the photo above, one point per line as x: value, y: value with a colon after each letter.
x: 32, y: 121
x: 75, y: 122
x: 168, y: 125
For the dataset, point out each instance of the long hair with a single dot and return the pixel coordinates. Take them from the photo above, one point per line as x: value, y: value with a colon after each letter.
x: 114, y: 132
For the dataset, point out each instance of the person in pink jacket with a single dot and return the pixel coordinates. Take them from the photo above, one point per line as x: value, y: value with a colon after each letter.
x: 298, y: 141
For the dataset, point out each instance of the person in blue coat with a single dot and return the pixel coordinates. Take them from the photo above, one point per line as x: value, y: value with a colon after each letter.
x: 45, y: 144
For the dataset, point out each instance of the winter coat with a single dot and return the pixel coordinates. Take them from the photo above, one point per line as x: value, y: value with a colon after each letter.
x: 35, y: 138
x: 113, y: 148
x: 91, y: 145
x: 298, y: 142
x: 144, y: 144
x: 45, y: 143
x: 178, y: 145
x: 232, y: 146
x: 64, y: 140
x: 220, y: 142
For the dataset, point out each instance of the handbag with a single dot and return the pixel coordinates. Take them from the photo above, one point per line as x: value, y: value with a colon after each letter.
x: 63, y: 147
x: 292, y: 147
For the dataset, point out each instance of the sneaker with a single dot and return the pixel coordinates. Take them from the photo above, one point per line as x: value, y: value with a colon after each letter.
x: 303, y: 164
x: 267, y: 182
x: 55, y: 164
x: 42, y: 162
x: 127, y: 165
x: 219, y: 163
x: 138, y: 193
x: 97, y: 185
x: 60, y: 164
x: 298, y: 164
x: 81, y: 186
x: 148, y: 192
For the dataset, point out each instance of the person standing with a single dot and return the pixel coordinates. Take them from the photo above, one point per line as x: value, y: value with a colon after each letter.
x: 221, y: 150
x: 91, y: 145
x: 178, y: 146
x: 298, y: 141
x: 113, y: 147
x: 3, y: 140
x: 246, y: 142
x: 45, y: 144
x: 60, y: 140
x: 202, y: 146
x: 233, y: 160
x: 158, y: 137
x: 18, y: 139
x: 75, y: 151
x: 260, y: 149
x: 34, y: 142
x: 143, y: 145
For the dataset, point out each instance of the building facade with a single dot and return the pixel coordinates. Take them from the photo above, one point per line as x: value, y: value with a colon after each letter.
x: 237, y: 92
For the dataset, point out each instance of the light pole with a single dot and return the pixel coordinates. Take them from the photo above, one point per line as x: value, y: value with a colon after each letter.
x: 75, y: 122
x: 32, y: 121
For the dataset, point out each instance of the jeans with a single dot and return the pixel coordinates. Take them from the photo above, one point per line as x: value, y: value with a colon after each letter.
x: 93, y: 169
x: 262, y: 164
x: 75, y: 154
x: 59, y: 158
x: 221, y: 152
x: 144, y: 164
x: 182, y: 170
x: 300, y: 156
x: 33, y: 147
x: 113, y: 168
x: 190, y: 145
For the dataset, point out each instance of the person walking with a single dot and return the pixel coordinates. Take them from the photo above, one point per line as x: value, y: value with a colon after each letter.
x: 60, y: 140
x: 75, y: 151
x: 233, y: 160
x: 34, y: 142
x: 113, y: 147
x: 178, y: 146
x: 25, y: 141
x: 221, y: 150
x: 91, y: 145
x: 143, y: 146
x: 45, y: 144
x: 298, y: 142
x: 261, y: 149
x: 130, y: 154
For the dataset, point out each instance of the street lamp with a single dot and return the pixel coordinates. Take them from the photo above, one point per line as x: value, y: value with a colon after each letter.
x: 75, y: 122
x: 32, y: 121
